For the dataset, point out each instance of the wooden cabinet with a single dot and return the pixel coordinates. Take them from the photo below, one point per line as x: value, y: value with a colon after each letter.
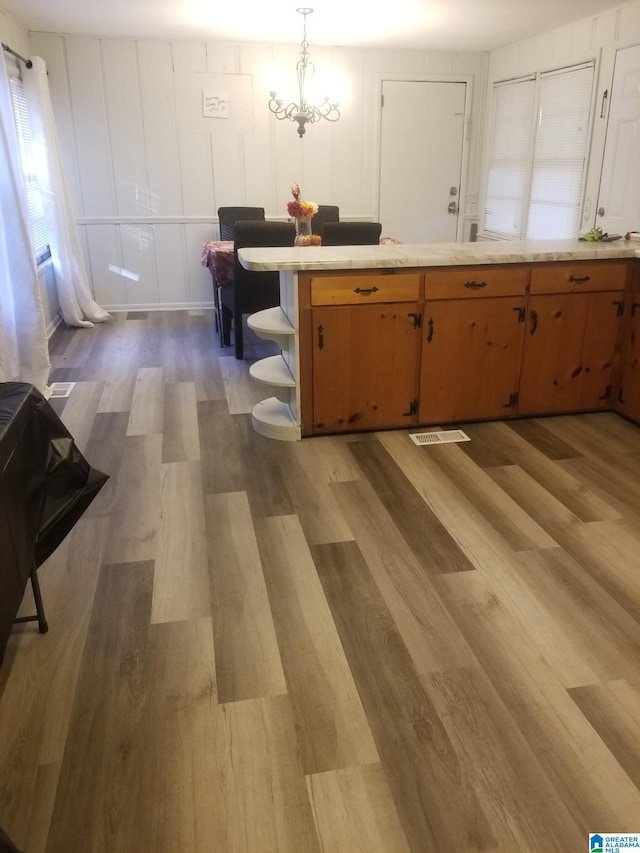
x: 627, y: 400
x: 397, y: 347
x: 473, y: 329
x: 572, y: 326
x: 365, y: 339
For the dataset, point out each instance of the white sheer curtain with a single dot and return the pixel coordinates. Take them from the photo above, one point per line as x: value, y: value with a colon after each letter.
x: 24, y: 354
x: 76, y: 302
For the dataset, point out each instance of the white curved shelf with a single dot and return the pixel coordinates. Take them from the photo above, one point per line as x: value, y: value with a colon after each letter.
x: 273, y: 419
x: 277, y: 417
x: 272, y: 325
x: 272, y: 371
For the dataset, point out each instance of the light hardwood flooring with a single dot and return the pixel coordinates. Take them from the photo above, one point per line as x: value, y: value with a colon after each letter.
x: 349, y: 643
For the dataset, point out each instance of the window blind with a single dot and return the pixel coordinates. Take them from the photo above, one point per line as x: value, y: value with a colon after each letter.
x: 560, y: 153
x: 509, y: 157
x: 29, y: 161
x: 537, y: 154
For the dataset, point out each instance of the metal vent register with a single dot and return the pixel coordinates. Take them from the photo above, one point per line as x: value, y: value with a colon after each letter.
x: 61, y: 389
x: 445, y: 436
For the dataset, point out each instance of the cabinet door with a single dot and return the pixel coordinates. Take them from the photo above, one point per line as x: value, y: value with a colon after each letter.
x: 568, y: 352
x: 471, y: 354
x: 365, y: 366
x: 628, y: 399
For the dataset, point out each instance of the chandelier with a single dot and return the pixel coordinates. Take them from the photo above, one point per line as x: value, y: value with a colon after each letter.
x: 304, y: 112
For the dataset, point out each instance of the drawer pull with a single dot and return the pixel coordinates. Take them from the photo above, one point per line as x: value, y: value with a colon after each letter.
x: 365, y: 291
x: 475, y: 285
x: 533, y: 317
x: 579, y: 279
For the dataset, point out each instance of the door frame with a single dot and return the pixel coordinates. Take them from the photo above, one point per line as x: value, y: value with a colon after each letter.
x: 412, y: 77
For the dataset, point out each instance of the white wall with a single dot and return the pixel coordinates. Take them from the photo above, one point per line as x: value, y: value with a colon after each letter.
x: 148, y: 171
x: 12, y: 34
x: 596, y: 38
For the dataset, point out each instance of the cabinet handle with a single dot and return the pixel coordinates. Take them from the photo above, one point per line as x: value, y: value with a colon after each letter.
x: 619, y: 303
x: 534, y: 322
x: 522, y: 313
x: 320, y: 337
x: 633, y: 308
x: 475, y: 285
x: 579, y: 279
x: 430, y: 333
x: 513, y: 399
x: 621, y: 398
x: 607, y: 393
x: 366, y: 291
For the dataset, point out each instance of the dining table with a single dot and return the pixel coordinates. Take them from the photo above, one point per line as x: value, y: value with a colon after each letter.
x: 217, y: 257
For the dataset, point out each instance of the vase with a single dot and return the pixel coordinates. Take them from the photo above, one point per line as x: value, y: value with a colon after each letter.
x: 303, y: 232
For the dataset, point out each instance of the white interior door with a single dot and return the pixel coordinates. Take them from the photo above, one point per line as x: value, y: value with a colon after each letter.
x: 619, y: 197
x: 421, y: 146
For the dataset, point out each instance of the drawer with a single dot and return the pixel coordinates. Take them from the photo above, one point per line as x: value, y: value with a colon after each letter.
x: 365, y: 289
x: 472, y: 282
x: 578, y: 277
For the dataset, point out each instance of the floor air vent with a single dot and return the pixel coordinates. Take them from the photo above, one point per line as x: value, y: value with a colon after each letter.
x: 61, y: 389
x: 445, y: 436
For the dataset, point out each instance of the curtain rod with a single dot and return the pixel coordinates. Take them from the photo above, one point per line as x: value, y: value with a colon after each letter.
x: 27, y: 62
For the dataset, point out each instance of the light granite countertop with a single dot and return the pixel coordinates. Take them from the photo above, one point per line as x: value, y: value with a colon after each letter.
x: 431, y: 254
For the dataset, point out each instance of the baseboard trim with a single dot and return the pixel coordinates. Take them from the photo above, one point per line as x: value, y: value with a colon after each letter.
x: 159, y: 306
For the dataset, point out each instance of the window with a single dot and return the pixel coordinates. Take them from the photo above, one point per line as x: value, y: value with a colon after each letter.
x: 538, y: 153
x: 29, y: 160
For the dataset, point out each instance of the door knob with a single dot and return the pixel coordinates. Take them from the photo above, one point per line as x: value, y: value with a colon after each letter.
x: 452, y: 208
x: 601, y: 211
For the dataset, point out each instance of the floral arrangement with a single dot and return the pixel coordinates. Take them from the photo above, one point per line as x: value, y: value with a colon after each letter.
x: 303, y: 210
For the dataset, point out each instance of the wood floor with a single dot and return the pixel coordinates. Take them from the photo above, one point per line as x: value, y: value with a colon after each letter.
x: 347, y: 643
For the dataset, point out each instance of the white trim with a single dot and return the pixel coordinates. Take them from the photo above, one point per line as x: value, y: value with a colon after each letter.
x: 159, y: 306
x: 194, y: 220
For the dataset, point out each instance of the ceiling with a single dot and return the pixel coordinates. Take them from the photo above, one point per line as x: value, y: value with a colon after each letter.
x: 477, y: 25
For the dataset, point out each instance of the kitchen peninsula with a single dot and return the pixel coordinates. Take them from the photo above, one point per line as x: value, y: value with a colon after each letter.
x: 377, y: 337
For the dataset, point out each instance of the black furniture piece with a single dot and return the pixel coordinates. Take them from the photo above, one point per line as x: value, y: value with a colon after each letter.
x: 45, y: 486
x: 351, y: 233
x: 252, y: 291
x: 228, y: 216
x: 326, y: 213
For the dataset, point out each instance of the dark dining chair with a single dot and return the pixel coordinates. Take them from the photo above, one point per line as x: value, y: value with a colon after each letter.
x: 351, y: 233
x: 252, y: 291
x: 326, y: 213
x: 228, y: 216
